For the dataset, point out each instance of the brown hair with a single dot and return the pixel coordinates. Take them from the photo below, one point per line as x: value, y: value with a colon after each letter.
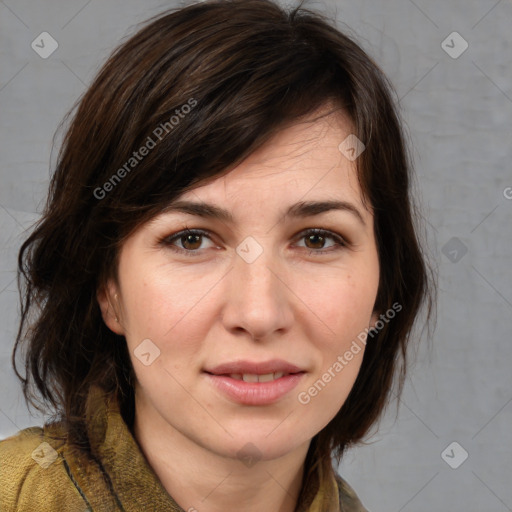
x: 246, y: 69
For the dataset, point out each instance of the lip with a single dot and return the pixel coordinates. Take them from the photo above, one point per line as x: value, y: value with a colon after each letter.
x: 255, y: 393
x: 252, y: 367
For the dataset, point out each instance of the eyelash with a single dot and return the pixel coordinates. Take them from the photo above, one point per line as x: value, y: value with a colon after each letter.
x: 340, y: 241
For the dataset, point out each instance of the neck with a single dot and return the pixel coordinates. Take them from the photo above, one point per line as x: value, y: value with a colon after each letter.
x: 201, y: 480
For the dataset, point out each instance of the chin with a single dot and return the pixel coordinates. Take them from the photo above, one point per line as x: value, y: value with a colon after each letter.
x: 257, y: 446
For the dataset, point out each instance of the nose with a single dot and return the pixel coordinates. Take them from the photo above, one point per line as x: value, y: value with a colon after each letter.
x: 258, y: 300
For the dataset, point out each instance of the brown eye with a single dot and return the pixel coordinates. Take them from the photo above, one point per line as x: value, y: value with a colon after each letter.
x: 315, y: 240
x: 191, y: 241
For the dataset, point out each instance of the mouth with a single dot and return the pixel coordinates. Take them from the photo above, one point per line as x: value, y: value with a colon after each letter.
x: 252, y: 371
x: 254, y: 377
x: 252, y: 383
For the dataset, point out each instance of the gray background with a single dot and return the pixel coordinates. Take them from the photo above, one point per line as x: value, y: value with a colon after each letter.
x: 459, y: 117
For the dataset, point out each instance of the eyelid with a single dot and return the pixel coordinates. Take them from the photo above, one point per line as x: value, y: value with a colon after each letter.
x: 327, y: 233
x: 168, y: 239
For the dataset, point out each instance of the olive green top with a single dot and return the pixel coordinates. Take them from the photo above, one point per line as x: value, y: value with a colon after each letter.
x: 40, y: 471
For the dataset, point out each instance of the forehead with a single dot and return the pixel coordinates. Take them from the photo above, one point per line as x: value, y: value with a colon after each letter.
x: 301, y: 161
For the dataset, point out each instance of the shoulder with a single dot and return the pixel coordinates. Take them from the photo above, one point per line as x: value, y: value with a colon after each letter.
x: 33, y: 474
x: 349, y: 500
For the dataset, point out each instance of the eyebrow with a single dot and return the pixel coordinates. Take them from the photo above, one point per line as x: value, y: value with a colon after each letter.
x: 302, y: 209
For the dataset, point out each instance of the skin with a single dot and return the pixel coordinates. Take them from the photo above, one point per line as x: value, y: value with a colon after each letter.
x: 294, y: 302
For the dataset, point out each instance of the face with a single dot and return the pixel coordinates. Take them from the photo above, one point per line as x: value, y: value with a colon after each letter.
x: 244, y: 329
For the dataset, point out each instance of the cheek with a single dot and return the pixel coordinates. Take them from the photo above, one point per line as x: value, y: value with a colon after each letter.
x: 340, y: 307
x: 148, y: 306
x: 166, y: 309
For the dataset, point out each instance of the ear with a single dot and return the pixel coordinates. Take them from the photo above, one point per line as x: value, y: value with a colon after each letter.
x: 109, y: 302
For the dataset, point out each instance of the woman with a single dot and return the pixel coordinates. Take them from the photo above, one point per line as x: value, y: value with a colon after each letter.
x: 226, y: 275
